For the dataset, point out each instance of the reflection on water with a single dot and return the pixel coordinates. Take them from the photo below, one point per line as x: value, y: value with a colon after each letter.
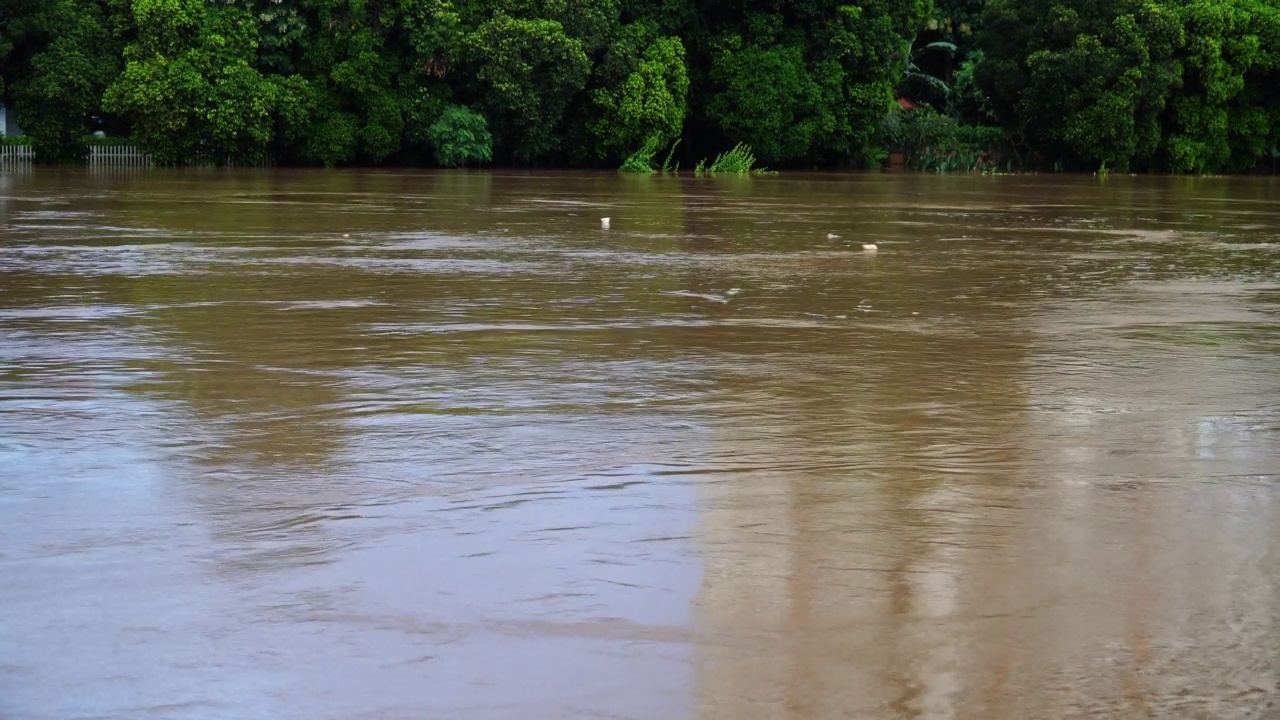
x: 345, y: 444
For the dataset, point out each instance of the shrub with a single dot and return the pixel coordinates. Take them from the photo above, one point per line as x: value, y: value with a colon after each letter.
x: 461, y: 135
x: 108, y: 141
x: 932, y: 141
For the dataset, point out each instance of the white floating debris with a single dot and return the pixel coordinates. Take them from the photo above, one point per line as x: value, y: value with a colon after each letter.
x: 604, y: 223
x: 869, y: 247
x: 728, y: 295
x: 832, y: 236
x: 346, y: 235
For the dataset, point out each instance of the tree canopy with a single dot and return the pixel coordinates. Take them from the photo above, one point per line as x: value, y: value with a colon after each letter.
x: 1158, y: 85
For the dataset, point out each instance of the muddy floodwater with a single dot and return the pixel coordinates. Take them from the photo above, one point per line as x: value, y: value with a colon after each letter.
x: 389, y: 446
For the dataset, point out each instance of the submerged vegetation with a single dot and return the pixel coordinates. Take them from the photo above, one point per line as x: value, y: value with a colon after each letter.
x: 641, y: 161
x: 737, y: 161
x: 948, y: 85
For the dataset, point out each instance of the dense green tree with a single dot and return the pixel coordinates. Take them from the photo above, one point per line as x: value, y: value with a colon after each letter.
x: 649, y: 101
x: 353, y: 67
x: 769, y: 99
x: 1186, y: 85
x: 820, y: 72
x: 57, y: 57
x: 432, y: 42
x: 1182, y: 85
x: 282, y: 30
x: 527, y: 72
x: 336, y: 81
x: 1083, y: 82
x: 1226, y: 116
x: 190, y: 86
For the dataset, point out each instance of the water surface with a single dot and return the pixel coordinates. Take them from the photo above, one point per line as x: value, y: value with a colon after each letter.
x: 404, y: 445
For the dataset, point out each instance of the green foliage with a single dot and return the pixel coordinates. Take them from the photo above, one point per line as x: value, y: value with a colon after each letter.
x: 109, y: 141
x: 968, y: 101
x: 650, y: 103
x: 1084, y: 81
x: 936, y: 142
x: 865, y: 48
x: 954, y: 20
x: 528, y: 71
x: 920, y: 86
x: 189, y: 85
x: 1158, y: 85
x: 983, y: 137
x: 355, y: 69
x: 739, y: 160
x: 332, y: 139
x: 769, y: 99
x: 909, y: 130
x: 667, y: 165
x: 963, y: 160
x: 1186, y: 86
x: 1228, y: 116
x: 58, y: 58
x: 282, y: 30
x: 641, y: 161
x: 460, y: 136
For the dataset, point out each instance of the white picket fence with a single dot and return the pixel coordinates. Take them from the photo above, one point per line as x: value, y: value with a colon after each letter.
x: 16, y: 154
x: 114, y: 156
x: 118, y: 156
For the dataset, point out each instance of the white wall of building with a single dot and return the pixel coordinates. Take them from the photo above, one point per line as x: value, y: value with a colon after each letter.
x: 8, y: 123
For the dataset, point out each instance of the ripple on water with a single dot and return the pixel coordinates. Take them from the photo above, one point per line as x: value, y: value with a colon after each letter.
x: 440, y: 435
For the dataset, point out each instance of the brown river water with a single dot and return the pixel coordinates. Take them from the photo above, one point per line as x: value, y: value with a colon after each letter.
x: 378, y: 445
